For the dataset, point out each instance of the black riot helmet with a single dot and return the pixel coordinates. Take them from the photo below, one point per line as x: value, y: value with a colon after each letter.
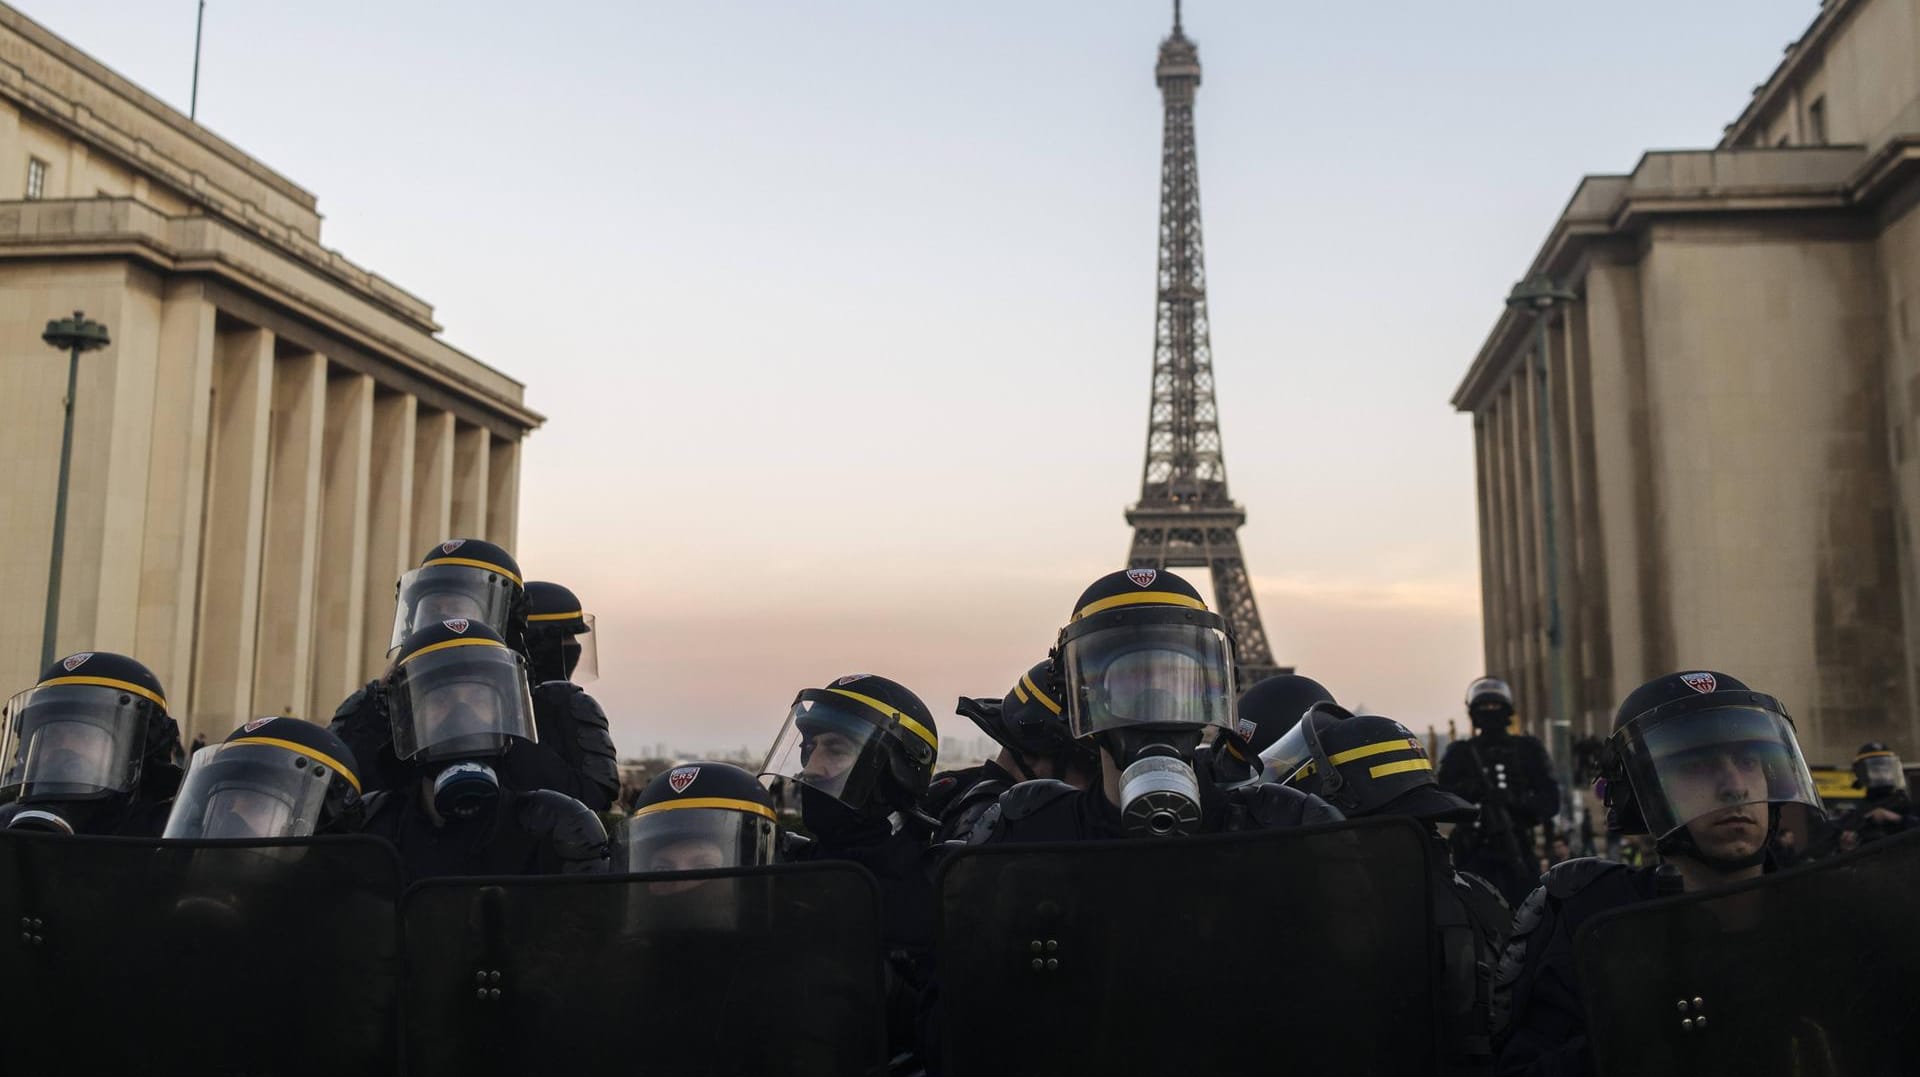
x: 1143, y: 651
x: 1877, y: 769
x: 1031, y: 721
x: 1269, y: 710
x: 1364, y: 765
x: 455, y: 691
x: 562, y: 644
x: 95, y: 727
x: 700, y: 816
x: 272, y: 778
x: 464, y: 580
x: 1490, y: 704
x: 1688, y: 745
x: 865, y: 741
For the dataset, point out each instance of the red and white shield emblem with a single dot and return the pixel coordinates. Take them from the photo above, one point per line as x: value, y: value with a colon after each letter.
x: 680, y: 777
x: 1143, y: 577
x: 458, y: 624
x: 1699, y: 682
x: 256, y: 724
x: 850, y: 678
x: 75, y: 661
x: 451, y: 545
x: 1246, y: 728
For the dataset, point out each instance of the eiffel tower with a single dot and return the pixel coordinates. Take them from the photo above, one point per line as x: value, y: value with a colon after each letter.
x: 1185, y: 517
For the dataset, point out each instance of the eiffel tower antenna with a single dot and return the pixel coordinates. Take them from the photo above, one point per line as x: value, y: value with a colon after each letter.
x: 1185, y: 517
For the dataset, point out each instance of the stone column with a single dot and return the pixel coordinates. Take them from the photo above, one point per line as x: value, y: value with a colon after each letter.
x: 390, y: 542
x: 283, y: 665
x: 503, y: 494
x: 230, y: 565
x: 432, y: 478
x: 340, y: 618
x: 470, y: 460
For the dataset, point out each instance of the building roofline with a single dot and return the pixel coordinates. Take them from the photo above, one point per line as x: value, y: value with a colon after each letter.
x: 158, y: 109
x: 1810, y: 45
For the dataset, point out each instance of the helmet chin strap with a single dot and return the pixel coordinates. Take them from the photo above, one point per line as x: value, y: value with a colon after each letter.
x: 1681, y: 843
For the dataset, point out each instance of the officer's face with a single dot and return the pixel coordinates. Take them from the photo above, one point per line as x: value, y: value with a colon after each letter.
x: 693, y: 854
x: 458, y: 709
x: 828, y: 756
x: 244, y: 813
x: 71, y: 752
x: 446, y: 606
x: 1735, y: 776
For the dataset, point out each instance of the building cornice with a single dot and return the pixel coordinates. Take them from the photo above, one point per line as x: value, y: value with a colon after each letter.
x: 1811, y: 45
x: 217, y: 248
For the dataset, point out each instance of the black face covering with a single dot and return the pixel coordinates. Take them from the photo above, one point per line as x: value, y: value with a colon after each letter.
x: 1490, y: 720
x: 834, y: 822
x: 1159, y: 791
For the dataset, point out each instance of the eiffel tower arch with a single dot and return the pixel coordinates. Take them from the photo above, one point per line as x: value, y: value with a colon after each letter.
x: 1185, y: 517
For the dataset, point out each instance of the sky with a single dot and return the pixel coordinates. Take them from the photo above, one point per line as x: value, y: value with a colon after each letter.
x: 841, y: 313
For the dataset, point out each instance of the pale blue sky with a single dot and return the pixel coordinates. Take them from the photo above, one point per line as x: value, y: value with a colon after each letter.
x: 841, y: 312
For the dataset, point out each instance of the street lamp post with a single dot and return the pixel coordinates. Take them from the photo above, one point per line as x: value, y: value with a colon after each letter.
x: 1539, y: 296
x: 74, y: 335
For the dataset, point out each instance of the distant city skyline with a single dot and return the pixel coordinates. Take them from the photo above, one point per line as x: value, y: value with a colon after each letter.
x: 841, y: 315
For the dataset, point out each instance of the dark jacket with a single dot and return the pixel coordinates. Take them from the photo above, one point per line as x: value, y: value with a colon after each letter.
x: 1047, y: 810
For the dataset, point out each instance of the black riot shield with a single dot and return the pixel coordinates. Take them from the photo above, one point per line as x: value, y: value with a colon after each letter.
x: 131, y: 955
x: 775, y: 970
x: 1295, y: 951
x: 1806, y: 972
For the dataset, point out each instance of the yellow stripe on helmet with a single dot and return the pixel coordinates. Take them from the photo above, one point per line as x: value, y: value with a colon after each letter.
x: 471, y: 563
x: 1401, y: 767
x: 726, y: 803
x: 1027, y: 679
x: 892, y: 712
x: 1376, y: 748
x: 296, y: 746
x: 106, y: 682
x: 576, y: 615
x: 1872, y: 755
x: 444, y: 644
x: 1139, y: 598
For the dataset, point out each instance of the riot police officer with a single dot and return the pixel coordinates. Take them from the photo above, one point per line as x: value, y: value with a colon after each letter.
x: 1885, y: 809
x: 861, y: 752
x: 1265, y: 713
x: 1147, y: 670
x: 272, y: 778
x: 90, y: 749
x: 478, y: 582
x: 458, y: 702
x: 1703, y: 764
x: 699, y: 816
x: 1371, y: 766
x: 1030, y: 725
x: 1510, y: 778
x: 562, y: 652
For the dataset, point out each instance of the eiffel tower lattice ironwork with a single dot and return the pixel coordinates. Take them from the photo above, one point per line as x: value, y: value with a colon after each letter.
x: 1185, y: 517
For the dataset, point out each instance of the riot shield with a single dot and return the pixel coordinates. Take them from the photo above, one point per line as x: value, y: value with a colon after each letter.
x: 130, y: 955
x: 1808, y: 972
x: 775, y: 970
x: 1293, y: 951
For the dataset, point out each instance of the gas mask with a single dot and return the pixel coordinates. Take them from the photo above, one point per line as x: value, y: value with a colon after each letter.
x: 1159, y: 791
x: 465, y: 789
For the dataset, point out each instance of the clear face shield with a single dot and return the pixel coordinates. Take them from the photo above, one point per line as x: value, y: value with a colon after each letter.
x: 437, y: 593
x: 240, y: 790
x: 71, y: 741
x: 831, y: 745
x: 1291, y: 759
x: 1694, y: 764
x: 1162, y: 673
x: 460, y: 702
x: 1881, y: 772
x: 675, y: 836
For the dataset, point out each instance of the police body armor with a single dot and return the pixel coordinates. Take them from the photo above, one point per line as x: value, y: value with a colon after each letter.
x: 1806, y: 972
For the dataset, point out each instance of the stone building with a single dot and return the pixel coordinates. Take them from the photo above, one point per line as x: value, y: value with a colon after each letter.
x: 273, y: 435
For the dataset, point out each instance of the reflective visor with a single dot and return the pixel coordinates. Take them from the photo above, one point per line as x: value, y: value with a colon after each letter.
x: 71, y: 740
x: 1694, y: 763
x: 586, y: 667
x: 1882, y: 771
x: 1152, y: 674
x: 830, y: 743
x: 450, y: 592
x: 462, y: 698
x: 242, y: 790
x: 697, y: 835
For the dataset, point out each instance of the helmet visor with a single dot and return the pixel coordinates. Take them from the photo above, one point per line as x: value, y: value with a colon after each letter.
x: 587, y: 666
x: 241, y: 790
x: 685, y: 836
x: 1692, y: 764
x: 1290, y: 760
x: 71, y: 740
x: 451, y: 593
x: 830, y: 745
x: 1882, y: 771
x: 1172, y: 674
x: 460, y: 702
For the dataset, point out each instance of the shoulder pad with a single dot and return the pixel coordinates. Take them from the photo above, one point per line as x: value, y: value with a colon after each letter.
x: 1513, y: 958
x: 1272, y: 805
x: 1026, y: 798
x: 1569, y: 877
x: 372, y: 803
x: 351, y: 706
x: 555, y: 691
